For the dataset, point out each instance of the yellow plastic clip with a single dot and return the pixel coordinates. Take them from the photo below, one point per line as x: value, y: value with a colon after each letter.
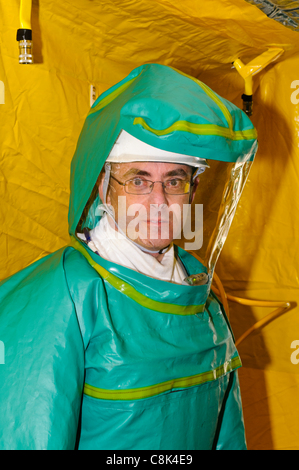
x: 252, y: 68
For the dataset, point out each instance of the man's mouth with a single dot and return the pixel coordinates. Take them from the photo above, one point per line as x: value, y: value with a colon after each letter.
x: 157, y: 222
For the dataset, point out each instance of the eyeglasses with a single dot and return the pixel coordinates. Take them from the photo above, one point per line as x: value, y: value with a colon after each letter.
x: 140, y: 186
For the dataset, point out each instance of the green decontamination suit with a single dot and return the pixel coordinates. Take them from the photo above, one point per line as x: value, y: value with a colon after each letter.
x: 99, y: 356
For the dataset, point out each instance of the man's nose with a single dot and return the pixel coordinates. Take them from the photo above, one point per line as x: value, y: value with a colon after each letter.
x: 158, y: 195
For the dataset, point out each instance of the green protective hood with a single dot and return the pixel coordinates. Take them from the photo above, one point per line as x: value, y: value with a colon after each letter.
x: 167, y: 109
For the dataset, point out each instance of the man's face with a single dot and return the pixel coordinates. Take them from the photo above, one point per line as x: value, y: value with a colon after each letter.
x: 152, y: 220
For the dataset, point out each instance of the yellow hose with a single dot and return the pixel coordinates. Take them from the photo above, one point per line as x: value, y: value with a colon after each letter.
x: 281, y: 307
x: 25, y: 14
x: 221, y: 294
x: 264, y: 321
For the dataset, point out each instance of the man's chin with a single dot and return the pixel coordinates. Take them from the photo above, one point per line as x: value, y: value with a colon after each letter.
x: 154, y: 246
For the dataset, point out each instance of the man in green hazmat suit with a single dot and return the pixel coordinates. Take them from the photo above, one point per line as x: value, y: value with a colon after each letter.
x: 116, y: 341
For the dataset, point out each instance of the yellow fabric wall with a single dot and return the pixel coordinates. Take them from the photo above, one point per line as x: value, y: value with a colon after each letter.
x: 86, y: 42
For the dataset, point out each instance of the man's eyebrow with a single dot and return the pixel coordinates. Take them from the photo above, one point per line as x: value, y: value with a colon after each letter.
x: 177, y: 172
x: 136, y: 171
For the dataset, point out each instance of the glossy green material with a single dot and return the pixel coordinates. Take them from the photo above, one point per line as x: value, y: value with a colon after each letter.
x: 137, y: 296
x: 157, y: 360
x: 158, y: 380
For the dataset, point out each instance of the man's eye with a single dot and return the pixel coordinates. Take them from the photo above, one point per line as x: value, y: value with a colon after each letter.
x: 138, y: 182
x: 174, y: 182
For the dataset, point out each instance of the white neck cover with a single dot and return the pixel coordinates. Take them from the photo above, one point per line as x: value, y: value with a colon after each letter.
x: 117, y: 248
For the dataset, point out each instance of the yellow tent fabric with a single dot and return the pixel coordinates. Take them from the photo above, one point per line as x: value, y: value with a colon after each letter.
x: 87, y: 43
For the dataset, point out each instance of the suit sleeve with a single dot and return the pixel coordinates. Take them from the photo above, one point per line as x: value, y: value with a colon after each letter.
x: 41, y: 382
x: 230, y: 430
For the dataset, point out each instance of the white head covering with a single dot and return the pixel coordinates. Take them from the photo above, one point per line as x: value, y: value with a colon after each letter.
x: 128, y: 149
